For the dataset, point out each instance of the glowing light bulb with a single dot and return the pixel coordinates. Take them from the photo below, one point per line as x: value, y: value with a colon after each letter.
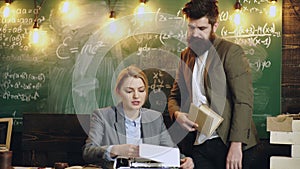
x: 111, y: 22
x: 142, y: 8
x: 112, y: 26
x: 35, y: 36
x: 237, y: 18
x: 65, y: 7
x: 6, y: 11
x: 272, y: 11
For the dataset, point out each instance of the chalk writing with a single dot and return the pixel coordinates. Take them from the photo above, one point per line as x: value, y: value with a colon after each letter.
x: 258, y: 2
x: 139, y: 39
x: 164, y: 18
x: 224, y: 16
x: 25, y: 76
x: 158, y: 82
x: 67, y: 48
x: 92, y: 48
x: 29, y: 83
x: 12, y: 37
x: 260, y: 65
x: 19, y: 96
x: 252, y: 10
x: 18, y: 121
x: 169, y: 34
x: 253, y: 35
x: 61, y: 47
x: 17, y: 57
x: 15, y: 30
x: 145, y: 49
x: 20, y: 11
x: 249, y: 51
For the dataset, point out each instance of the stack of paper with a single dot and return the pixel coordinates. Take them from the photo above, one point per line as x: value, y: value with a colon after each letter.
x: 285, y: 129
x: 167, y: 156
x: 153, y: 156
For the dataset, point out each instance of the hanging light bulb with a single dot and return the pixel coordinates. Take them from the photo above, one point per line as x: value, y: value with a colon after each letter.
x: 112, y: 24
x: 142, y: 8
x: 272, y: 10
x: 35, y: 33
x: 65, y: 7
x: 237, y: 15
x: 6, y: 10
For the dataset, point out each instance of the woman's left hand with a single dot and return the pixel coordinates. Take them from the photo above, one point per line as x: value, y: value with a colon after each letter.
x: 187, y: 163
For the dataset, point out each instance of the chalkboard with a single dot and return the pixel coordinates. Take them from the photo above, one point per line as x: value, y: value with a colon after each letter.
x: 75, y: 71
x: 261, y: 37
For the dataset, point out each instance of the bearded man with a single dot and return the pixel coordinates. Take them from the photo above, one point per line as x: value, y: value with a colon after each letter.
x: 215, y: 72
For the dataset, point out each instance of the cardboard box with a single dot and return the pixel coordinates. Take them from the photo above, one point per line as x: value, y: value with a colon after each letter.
x: 282, y: 137
x: 284, y: 123
x: 280, y: 162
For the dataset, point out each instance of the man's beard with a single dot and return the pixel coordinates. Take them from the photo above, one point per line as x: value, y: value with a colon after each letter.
x: 199, y: 45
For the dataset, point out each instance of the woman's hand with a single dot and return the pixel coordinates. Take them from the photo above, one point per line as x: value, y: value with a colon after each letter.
x: 126, y: 150
x: 187, y: 163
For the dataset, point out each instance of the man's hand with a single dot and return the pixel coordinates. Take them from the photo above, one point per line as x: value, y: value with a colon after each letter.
x: 126, y: 150
x: 182, y: 119
x: 187, y: 163
x: 234, y: 156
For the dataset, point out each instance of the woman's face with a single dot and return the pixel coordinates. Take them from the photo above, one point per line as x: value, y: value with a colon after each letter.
x: 132, y: 93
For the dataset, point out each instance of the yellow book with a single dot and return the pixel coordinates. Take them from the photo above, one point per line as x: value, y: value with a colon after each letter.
x: 207, y: 119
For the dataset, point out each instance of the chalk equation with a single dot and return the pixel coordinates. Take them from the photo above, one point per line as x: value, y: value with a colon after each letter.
x: 19, y: 96
x: 253, y: 35
x: 158, y: 83
x: 15, y: 30
x: 67, y: 48
x: 258, y: 2
x: 13, y: 37
x: 260, y: 65
x: 24, y: 76
x: 181, y: 36
x: 21, y: 86
x: 179, y: 20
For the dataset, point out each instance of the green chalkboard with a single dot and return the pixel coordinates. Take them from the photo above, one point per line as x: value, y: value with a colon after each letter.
x: 261, y: 37
x: 75, y: 71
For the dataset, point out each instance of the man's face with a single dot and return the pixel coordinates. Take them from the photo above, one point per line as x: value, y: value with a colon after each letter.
x: 200, y: 34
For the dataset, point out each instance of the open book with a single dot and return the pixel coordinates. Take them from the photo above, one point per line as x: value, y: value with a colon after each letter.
x: 207, y: 119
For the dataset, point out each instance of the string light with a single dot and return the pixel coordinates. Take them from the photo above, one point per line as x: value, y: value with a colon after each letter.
x: 70, y: 11
x: 112, y: 23
x: 35, y: 34
x: 65, y: 7
x: 142, y: 8
x: 6, y: 10
x: 112, y: 26
x: 237, y: 15
x: 272, y: 10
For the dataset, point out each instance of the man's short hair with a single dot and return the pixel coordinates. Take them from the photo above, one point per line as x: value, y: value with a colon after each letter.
x: 196, y: 9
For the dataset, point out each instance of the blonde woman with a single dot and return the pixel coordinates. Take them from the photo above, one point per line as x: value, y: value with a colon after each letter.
x: 118, y: 130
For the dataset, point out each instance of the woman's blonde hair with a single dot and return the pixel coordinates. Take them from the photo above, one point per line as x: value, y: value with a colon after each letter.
x: 131, y: 71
